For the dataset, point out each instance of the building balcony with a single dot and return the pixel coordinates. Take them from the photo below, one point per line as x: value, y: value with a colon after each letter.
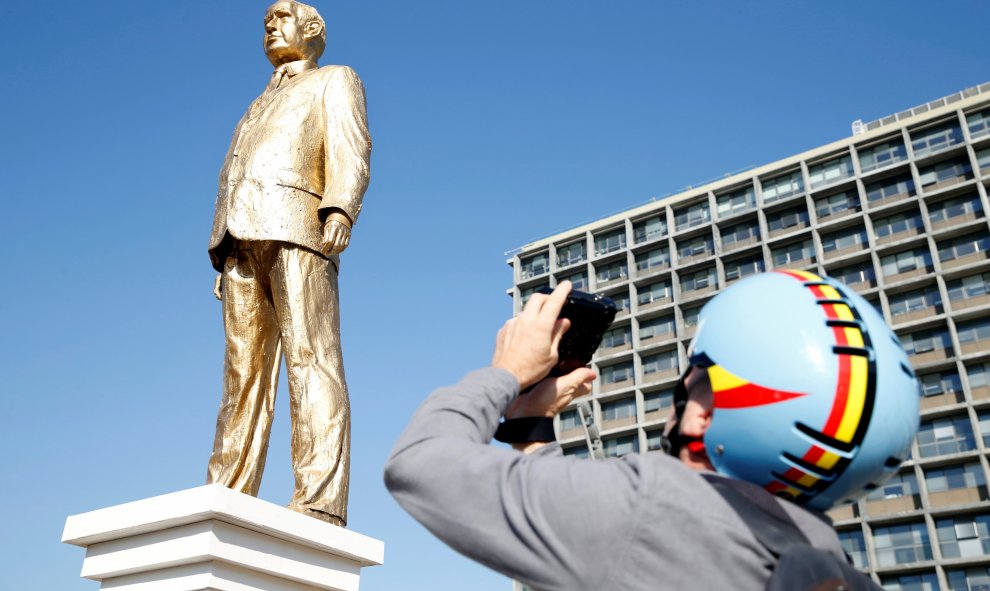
x: 660, y: 375
x: 606, y: 351
x: 969, y: 259
x: 959, y: 496
x: 898, y: 277
x: 694, y: 258
x: 920, y: 314
x: 736, y: 245
x: 980, y: 393
x: 656, y: 415
x: 841, y: 252
x: 619, y: 385
x: 616, y: 423
x: 975, y: 347
x: 943, y: 399
x: 902, y: 235
x: 571, y: 433
x: 972, y: 302
x: 893, y: 505
x: 844, y: 512
x: 930, y: 356
x: 789, y: 229
x: 649, y: 271
x: 656, y: 338
x: 657, y: 303
x: 889, y: 199
x: 698, y: 292
x: 969, y: 216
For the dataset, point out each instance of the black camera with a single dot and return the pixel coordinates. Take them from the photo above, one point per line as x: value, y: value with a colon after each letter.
x: 590, y: 315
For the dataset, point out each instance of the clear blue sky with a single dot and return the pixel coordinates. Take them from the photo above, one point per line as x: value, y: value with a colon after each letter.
x: 494, y: 123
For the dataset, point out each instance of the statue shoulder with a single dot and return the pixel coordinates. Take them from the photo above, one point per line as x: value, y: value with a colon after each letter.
x: 337, y: 72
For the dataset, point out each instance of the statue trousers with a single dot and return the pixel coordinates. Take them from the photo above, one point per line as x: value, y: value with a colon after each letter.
x: 281, y: 298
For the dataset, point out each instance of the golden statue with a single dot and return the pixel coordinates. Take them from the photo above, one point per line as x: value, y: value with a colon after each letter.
x: 290, y: 191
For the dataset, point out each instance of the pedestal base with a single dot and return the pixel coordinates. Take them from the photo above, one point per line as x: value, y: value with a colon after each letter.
x: 214, y: 539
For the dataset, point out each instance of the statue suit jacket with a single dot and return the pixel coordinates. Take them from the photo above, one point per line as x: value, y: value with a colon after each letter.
x: 299, y: 152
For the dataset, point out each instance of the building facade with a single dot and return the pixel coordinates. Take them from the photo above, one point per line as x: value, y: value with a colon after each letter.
x: 897, y: 211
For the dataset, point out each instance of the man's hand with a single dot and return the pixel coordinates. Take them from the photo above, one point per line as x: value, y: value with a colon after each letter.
x: 527, y: 344
x: 218, y: 287
x: 336, y: 236
x: 552, y: 395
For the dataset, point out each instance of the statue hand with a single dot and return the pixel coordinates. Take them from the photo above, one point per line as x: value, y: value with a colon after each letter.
x: 336, y: 237
x: 218, y: 287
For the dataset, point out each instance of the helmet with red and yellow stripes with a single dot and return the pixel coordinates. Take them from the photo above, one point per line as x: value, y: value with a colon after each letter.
x: 814, y: 397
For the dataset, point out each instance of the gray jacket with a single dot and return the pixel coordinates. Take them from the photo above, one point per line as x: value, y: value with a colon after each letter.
x: 564, y: 523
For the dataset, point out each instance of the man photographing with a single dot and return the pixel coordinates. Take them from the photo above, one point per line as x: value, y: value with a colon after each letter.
x: 777, y: 395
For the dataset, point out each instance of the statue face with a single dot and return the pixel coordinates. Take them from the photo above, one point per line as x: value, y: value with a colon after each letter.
x: 285, y: 38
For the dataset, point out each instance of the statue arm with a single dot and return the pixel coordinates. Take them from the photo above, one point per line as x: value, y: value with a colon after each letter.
x: 347, y: 148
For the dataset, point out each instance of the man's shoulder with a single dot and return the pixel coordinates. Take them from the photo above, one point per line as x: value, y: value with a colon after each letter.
x: 336, y: 71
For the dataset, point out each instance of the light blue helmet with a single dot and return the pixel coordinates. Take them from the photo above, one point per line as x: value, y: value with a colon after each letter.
x: 814, y: 397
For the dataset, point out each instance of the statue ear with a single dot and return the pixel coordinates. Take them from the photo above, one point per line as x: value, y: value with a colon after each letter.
x: 312, y: 29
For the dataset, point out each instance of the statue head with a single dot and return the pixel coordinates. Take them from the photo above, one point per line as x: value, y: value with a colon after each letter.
x: 293, y: 31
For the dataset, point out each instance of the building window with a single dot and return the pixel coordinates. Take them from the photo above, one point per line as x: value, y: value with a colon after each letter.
x: 925, y: 341
x: 954, y: 478
x: 736, y: 202
x: 620, y: 446
x: 692, y: 215
x: 617, y: 337
x: 965, y: 206
x: 613, y: 272
x: 619, y: 372
x: 690, y: 316
x: 699, y: 246
x: 658, y: 401
x: 656, y: 258
x: 976, y: 331
x: 983, y: 160
x: 535, y: 265
x: 572, y: 254
x: 569, y: 420
x: 740, y: 233
x: 976, y: 578
x: 578, y: 451
x: 904, y: 484
x: 978, y: 123
x: 654, y: 440
x: 843, y: 239
x: 654, y: 292
x: 897, y: 223
x: 900, y: 187
x: 965, y: 536
x: 621, y: 301
x: 854, y: 274
x: 619, y: 409
x: 979, y: 377
x: 855, y: 546
x: 830, y: 172
x: 915, y: 301
x: 578, y: 280
x: 697, y: 281
x: 984, y: 417
x: 525, y: 294
x: 916, y: 582
x: 795, y: 253
x: 649, y: 229
x: 836, y: 204
x: 743, y: 267
x: 904, y: 262
x: 936, y: 384
x: 933, y: 139
x: 902, y: 544
x: 656, y: 327
x: 661, y: 362
x: 882, y: 155
x: 957, y: 248
x: 782, y: 187
x: 610, y: 242
x: 944, y: 174
x: 790, y: 218
x: 944, y: 436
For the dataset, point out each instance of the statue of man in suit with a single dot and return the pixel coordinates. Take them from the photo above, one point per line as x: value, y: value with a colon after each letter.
x: 290, y: 191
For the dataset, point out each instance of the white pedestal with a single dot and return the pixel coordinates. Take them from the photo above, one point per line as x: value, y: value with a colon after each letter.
x: 214, y: 539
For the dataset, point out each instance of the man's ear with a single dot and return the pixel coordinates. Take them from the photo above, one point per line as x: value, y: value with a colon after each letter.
x: 312, y: 29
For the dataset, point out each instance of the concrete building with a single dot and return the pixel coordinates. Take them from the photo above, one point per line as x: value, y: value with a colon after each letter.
x: 897, y: 211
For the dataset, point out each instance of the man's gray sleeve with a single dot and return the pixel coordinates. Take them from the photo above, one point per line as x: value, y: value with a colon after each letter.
x: 551, y: 521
